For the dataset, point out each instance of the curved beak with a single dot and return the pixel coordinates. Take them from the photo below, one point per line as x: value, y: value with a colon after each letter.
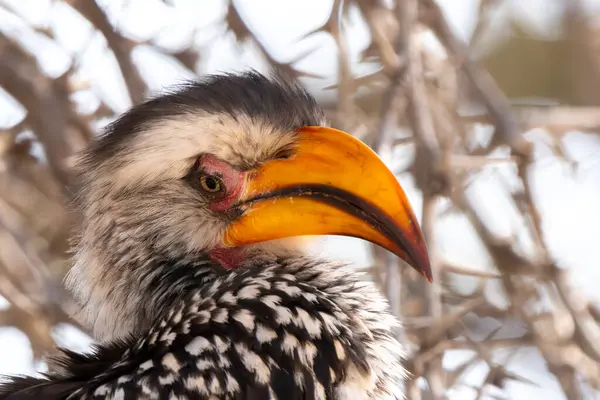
x: 333, y: 184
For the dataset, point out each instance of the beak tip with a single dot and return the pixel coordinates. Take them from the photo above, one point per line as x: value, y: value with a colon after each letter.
x: 421, y: 262
x: 427, y: 274
x: 425, y: 269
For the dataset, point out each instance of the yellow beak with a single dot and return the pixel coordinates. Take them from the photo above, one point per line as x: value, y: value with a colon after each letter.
x: 333, y: 184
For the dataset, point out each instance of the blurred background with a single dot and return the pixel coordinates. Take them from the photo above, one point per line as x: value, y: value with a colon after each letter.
x: 488, y: 111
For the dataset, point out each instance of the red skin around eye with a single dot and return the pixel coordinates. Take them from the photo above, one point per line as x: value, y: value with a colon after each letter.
x: 232, y: 179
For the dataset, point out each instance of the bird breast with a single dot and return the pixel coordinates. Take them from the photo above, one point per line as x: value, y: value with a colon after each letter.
x: 298, y: 329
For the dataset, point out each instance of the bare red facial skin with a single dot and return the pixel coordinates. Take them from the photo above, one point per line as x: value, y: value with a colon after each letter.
x: 233, y: 181
x: 228, y: 257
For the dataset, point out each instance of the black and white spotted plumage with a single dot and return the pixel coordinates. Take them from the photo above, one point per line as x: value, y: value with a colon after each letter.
x: 294, y: 328
x: 171, y: 322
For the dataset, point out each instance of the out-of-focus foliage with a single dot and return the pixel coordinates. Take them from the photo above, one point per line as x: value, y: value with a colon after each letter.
x: 410, y: 106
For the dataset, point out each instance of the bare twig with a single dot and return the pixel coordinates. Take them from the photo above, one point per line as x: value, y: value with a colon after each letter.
x: 498, y: 106
x: 236, y: 24
x: 119, y: 45
x: 48, y: 104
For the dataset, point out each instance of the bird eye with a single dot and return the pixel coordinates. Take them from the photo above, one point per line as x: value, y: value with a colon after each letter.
x: 211, y: 183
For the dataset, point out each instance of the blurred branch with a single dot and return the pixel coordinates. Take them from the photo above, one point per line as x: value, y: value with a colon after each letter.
x: 506, y: 259
x: 393, y: 104
x: 8, y: 317
x: 46, y: 101
x: 406, y: 71
x: 242, y: 32
x: 383, y: 27
x: 346, y: 87
x: 483, y: 20
x: 556, y: 119
x: 188, y: 57
x: 560, y: 119
x: 120, y: 46
x: 457, y: 269
x: 505, y: 123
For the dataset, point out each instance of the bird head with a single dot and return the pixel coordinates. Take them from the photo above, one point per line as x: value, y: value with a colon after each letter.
x: 225, y: 167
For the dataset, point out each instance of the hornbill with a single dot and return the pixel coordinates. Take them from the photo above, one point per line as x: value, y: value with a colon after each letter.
x: 188, y: 267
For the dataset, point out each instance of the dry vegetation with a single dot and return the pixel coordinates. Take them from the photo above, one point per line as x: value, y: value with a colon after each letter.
x: 414, y: 90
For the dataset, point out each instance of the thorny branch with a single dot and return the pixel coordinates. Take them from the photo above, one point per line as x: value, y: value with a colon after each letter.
x: 120, y: 46
x: 22, y: 79
x: 412, y: 91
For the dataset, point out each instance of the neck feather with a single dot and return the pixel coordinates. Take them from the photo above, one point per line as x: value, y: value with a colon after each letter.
x: 122, y: 287
x: 120, y: 298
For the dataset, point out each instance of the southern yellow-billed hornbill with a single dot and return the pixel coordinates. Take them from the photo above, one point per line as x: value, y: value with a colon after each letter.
x: 186, y: 268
